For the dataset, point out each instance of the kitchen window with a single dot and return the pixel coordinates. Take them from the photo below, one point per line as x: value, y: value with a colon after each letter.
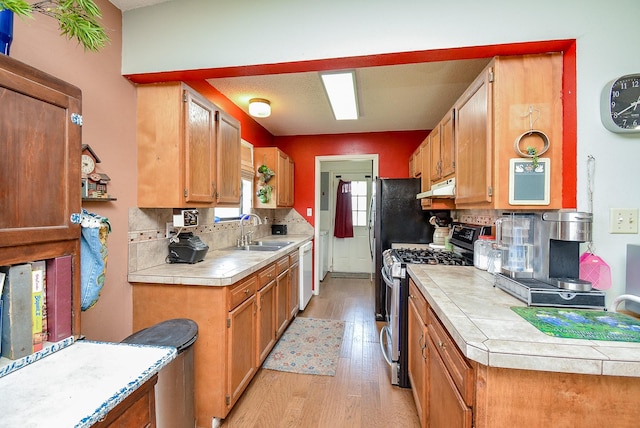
x: 359, y: 202
x: 246, y: 202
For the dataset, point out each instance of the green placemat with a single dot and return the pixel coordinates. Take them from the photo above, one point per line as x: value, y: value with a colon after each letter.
x: 582, y: 324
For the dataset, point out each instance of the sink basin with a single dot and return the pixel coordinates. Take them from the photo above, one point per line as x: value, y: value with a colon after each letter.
x: 256, y: 247
x: 279, y: 244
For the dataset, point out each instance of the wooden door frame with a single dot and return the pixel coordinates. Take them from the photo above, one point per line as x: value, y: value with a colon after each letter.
x: 373, y: 157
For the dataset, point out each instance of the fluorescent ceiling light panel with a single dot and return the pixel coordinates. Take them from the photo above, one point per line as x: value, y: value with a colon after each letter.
x: 341, y: 90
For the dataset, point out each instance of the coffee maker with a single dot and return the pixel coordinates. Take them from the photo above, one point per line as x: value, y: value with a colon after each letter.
x: 557, y: 248
x: 541, y: 259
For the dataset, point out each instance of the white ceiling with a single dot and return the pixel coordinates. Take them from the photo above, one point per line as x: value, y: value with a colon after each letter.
x: 390, y: 98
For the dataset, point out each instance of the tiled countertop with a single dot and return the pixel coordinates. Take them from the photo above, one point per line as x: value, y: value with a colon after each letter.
x: 77, y: 385
x: 479, y: 318
x: 220, y: 267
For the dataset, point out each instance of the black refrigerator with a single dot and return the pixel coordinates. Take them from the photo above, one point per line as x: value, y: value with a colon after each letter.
x: 397, y: 217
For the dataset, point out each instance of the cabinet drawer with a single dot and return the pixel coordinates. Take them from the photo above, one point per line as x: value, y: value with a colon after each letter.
x: 293, y: 257
x: 457, y: 366
x: 415, y: 295
x: 266, y: 275
x: 282, y: 265
x: 241, y: 291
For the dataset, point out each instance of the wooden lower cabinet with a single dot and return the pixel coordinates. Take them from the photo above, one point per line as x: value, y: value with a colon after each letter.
x: 241, y: 355
x: 418, y: 355
x: 294, y: 286
x: 138, y: 410
x: 282, y: 292
x: 446, y: 406
x: 266, y: 299
x: 236, y: 330
x: 457, y: 392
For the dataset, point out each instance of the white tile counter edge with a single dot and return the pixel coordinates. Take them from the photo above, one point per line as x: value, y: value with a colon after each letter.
x: 479, y: 318
x: 220, y: 267
x: 78, y: 385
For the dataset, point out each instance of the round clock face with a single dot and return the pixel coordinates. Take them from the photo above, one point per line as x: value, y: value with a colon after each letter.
x: 88, y: 164
x: 622, y: 112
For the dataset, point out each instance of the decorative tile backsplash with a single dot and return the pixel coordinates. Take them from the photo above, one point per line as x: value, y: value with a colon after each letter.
x: 148, y: 226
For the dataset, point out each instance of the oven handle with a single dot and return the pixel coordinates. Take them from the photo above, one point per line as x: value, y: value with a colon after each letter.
x: 384, y: 331
x: 386, y: 278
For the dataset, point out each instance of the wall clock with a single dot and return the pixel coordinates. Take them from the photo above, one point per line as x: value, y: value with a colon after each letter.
x: 619, y: 104
x: 88, y: 164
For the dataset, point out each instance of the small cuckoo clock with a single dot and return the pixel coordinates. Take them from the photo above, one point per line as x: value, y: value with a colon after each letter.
x: 94, y: 183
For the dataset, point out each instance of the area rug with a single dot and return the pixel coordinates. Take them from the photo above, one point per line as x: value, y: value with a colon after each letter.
x: 309, y: 346
x: 582, y: 324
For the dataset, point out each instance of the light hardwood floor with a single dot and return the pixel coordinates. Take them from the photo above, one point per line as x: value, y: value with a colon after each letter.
x: 360, y: 395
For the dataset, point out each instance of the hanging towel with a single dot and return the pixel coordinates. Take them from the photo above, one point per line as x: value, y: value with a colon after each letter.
x: 93, y: 255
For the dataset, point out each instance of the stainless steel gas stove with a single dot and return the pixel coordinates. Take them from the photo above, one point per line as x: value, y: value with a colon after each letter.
x: 394, y: 339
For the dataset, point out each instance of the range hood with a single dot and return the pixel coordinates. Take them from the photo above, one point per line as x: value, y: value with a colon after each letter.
x: 444, y: 189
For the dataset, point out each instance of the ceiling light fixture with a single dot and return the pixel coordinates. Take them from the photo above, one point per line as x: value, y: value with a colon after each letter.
x: 259, y: 107
x: 341, y: 91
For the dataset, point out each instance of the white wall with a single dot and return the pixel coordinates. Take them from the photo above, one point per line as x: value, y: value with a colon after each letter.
x: 189, y: 34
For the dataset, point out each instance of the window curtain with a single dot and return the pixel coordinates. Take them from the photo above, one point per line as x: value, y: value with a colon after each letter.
x: 344, y: 216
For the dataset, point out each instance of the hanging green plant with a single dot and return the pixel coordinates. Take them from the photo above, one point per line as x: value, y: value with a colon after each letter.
x: 265, y: 173
x: 533, y: 152
x: 264, y: 193
x: 78, y: 19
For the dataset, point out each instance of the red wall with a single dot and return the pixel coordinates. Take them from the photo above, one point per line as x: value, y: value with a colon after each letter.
x: 393, y: 149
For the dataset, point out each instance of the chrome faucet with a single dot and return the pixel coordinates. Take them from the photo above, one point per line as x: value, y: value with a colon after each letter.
x: 245, y: 239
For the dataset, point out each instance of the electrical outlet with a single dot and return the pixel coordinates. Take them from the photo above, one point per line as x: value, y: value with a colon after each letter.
x: 623, y: 220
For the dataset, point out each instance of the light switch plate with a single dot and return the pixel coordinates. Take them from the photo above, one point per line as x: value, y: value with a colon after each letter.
x: 309, y: 212
x: 623, y: 220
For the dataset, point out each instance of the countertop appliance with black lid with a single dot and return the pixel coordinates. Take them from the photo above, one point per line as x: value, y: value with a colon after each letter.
x: 186, y: 248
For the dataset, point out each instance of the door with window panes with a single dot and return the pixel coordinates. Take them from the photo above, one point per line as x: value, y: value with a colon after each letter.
x: 352, y: 255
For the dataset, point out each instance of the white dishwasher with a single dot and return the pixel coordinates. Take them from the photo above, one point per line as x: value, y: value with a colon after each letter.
x: 306, y: 277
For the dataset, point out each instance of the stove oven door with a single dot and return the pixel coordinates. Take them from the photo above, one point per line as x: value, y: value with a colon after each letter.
x: 390, y: 333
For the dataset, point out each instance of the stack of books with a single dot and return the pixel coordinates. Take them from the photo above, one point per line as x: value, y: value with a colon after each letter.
x: 36, y: 305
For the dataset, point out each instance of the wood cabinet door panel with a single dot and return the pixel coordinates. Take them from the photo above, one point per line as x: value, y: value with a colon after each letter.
x: 282, y: 312
x: 418, y: 355
x: 266, y: 299
x: 200, y: 149
x: 446, y: 406
x: 294, y: 290
x: 447, y: 145
x: 40, y: 161
x: 457, y: 366
x: 241, y: 359
x: 473, y: 143
x: 434, y: 147
x: 228, y: 153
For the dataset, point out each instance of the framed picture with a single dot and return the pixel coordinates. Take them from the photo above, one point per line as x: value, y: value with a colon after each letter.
x: 529, y: 181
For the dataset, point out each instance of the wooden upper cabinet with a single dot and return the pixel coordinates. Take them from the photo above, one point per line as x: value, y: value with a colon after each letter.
x: 282, y: 186
x: 188, y: 149
x: 425, y: 171
x: 493, y: 113
x: 40, y: 149
x: 473, y: 142
x: 434, y: 150
x: 442, y: 149
x: 229, y: 156
x: 447, y: 145
x: 200, y: 148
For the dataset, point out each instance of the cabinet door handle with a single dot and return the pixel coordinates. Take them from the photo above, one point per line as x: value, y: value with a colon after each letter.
x: 246, y: 291
x: 442, y: 345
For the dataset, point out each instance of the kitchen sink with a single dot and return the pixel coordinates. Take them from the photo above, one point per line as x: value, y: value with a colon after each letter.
x: 279, y: 244
x: 256, y: 247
